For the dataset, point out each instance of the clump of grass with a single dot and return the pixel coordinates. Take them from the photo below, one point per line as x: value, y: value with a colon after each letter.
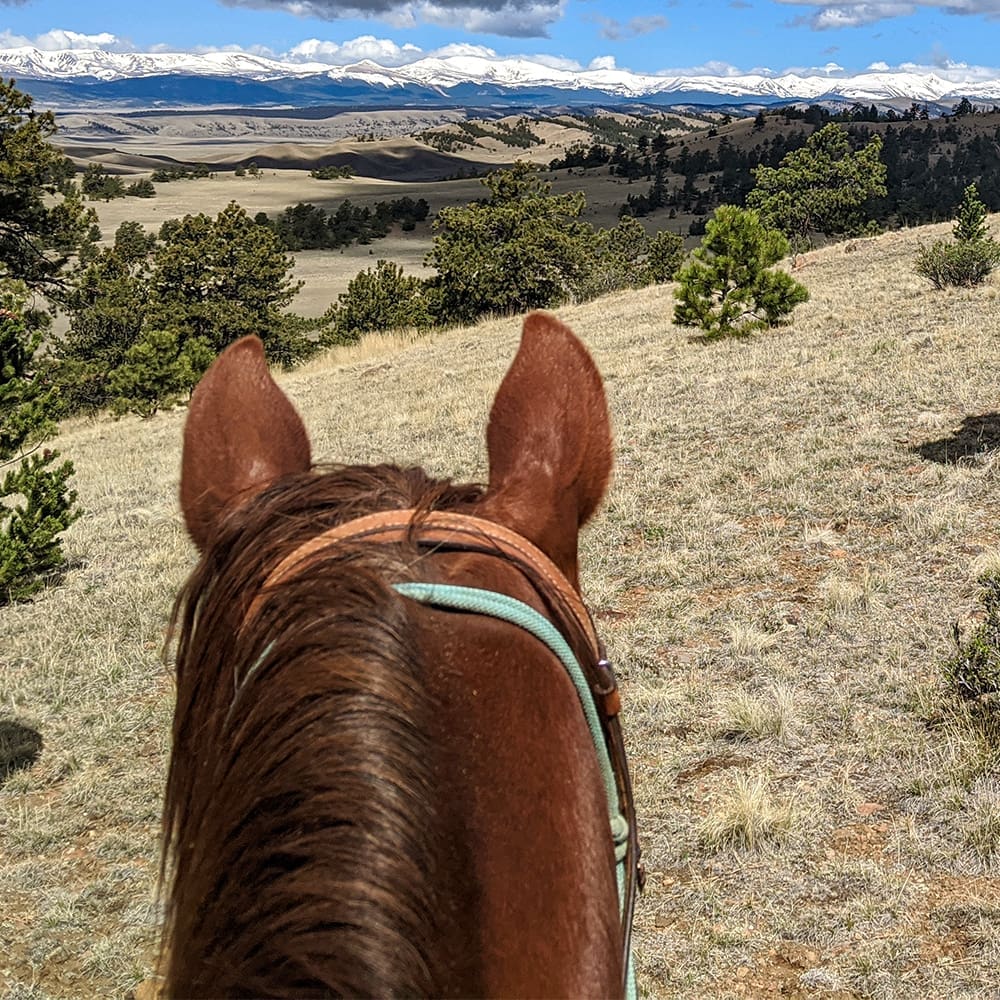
x: 748, y: 640
x: 842, y: 595
x: 986, y: 565
x: 982, y: 833
x: 926, y: 520
x: 824, y: 534
x: 747, y: 818
x: 972, y: 749
x: 751, y: 716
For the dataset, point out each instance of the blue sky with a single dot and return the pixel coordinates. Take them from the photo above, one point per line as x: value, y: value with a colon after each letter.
x: 719, y: 36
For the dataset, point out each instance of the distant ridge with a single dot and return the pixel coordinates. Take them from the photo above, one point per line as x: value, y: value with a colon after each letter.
x: 86, y: 78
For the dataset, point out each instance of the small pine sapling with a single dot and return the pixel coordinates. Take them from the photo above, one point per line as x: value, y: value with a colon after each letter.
x: 970, y: 258
x: 730, y: 287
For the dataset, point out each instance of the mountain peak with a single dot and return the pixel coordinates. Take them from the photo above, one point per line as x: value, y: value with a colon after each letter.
x: 439, y: 73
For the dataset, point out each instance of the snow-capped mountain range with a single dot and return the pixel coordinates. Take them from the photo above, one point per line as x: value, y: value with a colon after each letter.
x: 91, y: 75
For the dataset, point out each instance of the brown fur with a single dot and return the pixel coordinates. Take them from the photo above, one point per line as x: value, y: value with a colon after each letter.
x: 366, y: 796
x: 311, y: 731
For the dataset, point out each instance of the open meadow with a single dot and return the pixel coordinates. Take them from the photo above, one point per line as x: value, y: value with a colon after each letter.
x: 795, y: 522
x: 395, y: 165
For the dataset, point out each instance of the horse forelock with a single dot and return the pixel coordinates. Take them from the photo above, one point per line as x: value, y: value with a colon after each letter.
x: 298, y: 815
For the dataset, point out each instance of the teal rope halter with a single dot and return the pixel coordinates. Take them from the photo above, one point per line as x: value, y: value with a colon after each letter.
x: 509, y: 609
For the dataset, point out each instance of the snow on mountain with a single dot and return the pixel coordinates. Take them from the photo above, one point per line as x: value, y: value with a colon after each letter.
x: 42, y: 65
x: 444, y: 73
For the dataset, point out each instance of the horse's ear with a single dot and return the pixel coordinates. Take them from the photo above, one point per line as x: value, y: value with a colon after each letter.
x: 241, y: 434
x: 549, y: 441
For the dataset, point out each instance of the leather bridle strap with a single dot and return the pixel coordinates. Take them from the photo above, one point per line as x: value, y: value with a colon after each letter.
x: 448, y: 531
x: 444, y: 531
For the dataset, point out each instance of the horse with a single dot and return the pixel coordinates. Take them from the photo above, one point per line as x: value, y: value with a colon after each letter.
x: 376, y: 789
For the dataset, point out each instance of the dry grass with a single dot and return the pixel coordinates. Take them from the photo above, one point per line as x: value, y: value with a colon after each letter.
x: 747, y: 715
x: 747, y: 817
x: 803, y: 512
x: 222, y: 141
x: 325, y: 275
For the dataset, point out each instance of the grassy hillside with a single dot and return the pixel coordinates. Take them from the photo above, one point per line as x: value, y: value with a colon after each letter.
x: 795, y: 522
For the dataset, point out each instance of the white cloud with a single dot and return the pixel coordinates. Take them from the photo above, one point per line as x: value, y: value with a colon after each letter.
x: 383, y: 51
x: 251, y: 50
x: 832, y: 14
x: 465, y: 49
x: 878, y: 67
x: 711, y: 68
x: 602, y: 62
x: 59, y: 40
x: 954, y: 72
x: 853, y: 15
x: 555, y: 62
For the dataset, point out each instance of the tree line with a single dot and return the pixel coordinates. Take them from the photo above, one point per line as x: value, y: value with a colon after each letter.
x: 309, y: 227
x: 929, y: 163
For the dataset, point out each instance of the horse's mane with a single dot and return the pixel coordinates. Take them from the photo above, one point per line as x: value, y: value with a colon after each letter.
x: 299, y: 786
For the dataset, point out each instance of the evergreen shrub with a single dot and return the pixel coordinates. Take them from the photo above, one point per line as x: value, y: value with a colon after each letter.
x: 973, y: 673
x: 730, y: 286
x: 970, y: 258
x: 36, y: 503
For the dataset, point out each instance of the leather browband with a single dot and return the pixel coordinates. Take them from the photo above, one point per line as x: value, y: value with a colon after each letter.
x: 430, y: 529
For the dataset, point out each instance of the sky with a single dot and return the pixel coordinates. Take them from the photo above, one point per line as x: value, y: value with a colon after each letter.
x: 960, y: 40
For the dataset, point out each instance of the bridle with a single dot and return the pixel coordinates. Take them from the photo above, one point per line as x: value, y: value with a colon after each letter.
x: 441, y: 531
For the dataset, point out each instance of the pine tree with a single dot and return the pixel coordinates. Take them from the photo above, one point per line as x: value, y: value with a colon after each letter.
x: 971, y: 258
x: 155, y: 315
x: 664, y: 256
x: 36, y: 504
x: 729, y: 288
x: 222, y: 278
x: 107, y: 315
x: 523, y: 248
x: 970, y: 224
x: 820, y: 188
x: 98, y: 184
x: 45, y: 232
x: 43, y: 222
x: 133, y: 244
x: 379, y: 300
x: 158, y: 372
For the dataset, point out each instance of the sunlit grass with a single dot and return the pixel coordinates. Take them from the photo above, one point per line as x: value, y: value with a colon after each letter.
x: 776, y: 570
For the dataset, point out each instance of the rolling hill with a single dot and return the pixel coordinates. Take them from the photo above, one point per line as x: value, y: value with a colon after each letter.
x: 796, y: 521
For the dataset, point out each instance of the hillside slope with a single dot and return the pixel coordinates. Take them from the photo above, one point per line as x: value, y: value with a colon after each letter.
x: 795, y: 522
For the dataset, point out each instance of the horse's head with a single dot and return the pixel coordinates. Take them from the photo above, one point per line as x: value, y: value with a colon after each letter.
x: 369, y: 793
x: 549, y: 441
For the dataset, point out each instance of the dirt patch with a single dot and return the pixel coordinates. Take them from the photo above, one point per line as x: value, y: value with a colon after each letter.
x: 719, y: 762
x: 782, y: 972
x: 859, y: 840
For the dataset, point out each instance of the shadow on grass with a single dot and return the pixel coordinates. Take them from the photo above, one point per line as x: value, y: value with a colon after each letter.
x: 54, y: 578
x: 978, y: 435
x: 20, y: 746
